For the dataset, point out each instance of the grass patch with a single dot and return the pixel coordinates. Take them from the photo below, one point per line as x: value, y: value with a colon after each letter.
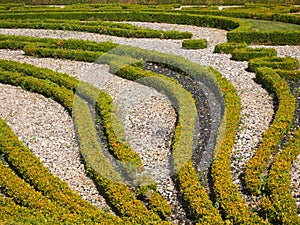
x: 263, y: 25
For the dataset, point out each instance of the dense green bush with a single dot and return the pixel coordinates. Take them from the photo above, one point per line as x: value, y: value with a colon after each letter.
x: 289, y: 74
x: 283, y: 63
x: 199, y: 205
x: 226, y: 193
x: 228, y: 47
x: 29, y: 167
x: 91, y: 153
x: 280, y: 206
x: 272, y: 137
x: 120, y: 30
x: 245, y: 54
x: 194, y: 44
x: 264, y: 37
x: 103, y: 173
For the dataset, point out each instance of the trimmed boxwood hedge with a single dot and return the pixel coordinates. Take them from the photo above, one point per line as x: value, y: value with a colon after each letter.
x: 122, y: 201
x: 226, y: 193
x: 194, y: 44
x: 245, y: 54
x: 120, y: 30
x: 283, y: 63
x: 272, y: 137
x: 228, y: 47
x: 280, y: 206
x: 199, y: 205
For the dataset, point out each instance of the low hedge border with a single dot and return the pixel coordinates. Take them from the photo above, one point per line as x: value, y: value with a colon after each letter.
x: 226, y: 193
x: 245, y: 54
x: 199, y: 205
x: 280, y: 206
x: 163, y: 17
x: 228, y: 47
x: 120, y: 30
x: 163, y: 205
x: 194, y: 44
x: 265, y: 38
x: 25, y: 195
x: 241, y: 13
x: 115, y: 191
x: 28, y: 166
x: 242, y: 34
x: 289, y: 74
x: 283, y: 63
x: 11, y: 213
x: 272, y: 137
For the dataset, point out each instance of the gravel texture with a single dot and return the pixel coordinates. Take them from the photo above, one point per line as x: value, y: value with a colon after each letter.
x: 257, y: 105
x: 47, y: 129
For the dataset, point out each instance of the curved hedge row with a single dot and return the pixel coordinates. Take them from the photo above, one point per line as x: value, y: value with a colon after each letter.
x: 255, y: 167
x: 29, y: 167
x: 279, y: 205
x: 227, y: 195
x: 244, y: 33
x: 125, y: 30
x: 282, y: 63
x: 228, y: 47
x: 199, y: 204
x: 91, y: 152
x: 245, y: 54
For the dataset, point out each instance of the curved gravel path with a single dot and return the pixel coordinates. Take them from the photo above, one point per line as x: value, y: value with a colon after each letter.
x: 257, y: 105
x: 47, y: 129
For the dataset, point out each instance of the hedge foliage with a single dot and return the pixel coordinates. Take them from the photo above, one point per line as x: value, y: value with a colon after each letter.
x: 95, y: 161
x: 194, y: 44
x: 147, y: 2
x: 245, y: 54
x: 228, y: 47
x: 99, y: 168
x: 28, y: 167
x: 226, y: 193
x: 272, y: 137
x: 199, y: 205
x: 279, y: 205
x: 113, y: 29
x: 282, y: 63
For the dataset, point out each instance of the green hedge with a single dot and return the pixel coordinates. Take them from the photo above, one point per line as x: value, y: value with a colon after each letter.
x: 174, y: 18
x: 263, y: 37
x: 121, y: 201
x: 228, y: 47
x: 289, y: 74
x: 11, y: 213
x: 29, y: 167
x: 272, y: 137
x: 199, y: 205
x: 245, y: 54
x: 283, y: 63
x: 109, y: 181
x: 25, y: 195
x: 279, y: 205
x: 194, y: 44
x: 226, y: 193
x: 120, y: 30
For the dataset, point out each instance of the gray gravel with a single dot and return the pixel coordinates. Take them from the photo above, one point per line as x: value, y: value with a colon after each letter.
x: 257, y: 106
x: 47, y: 129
